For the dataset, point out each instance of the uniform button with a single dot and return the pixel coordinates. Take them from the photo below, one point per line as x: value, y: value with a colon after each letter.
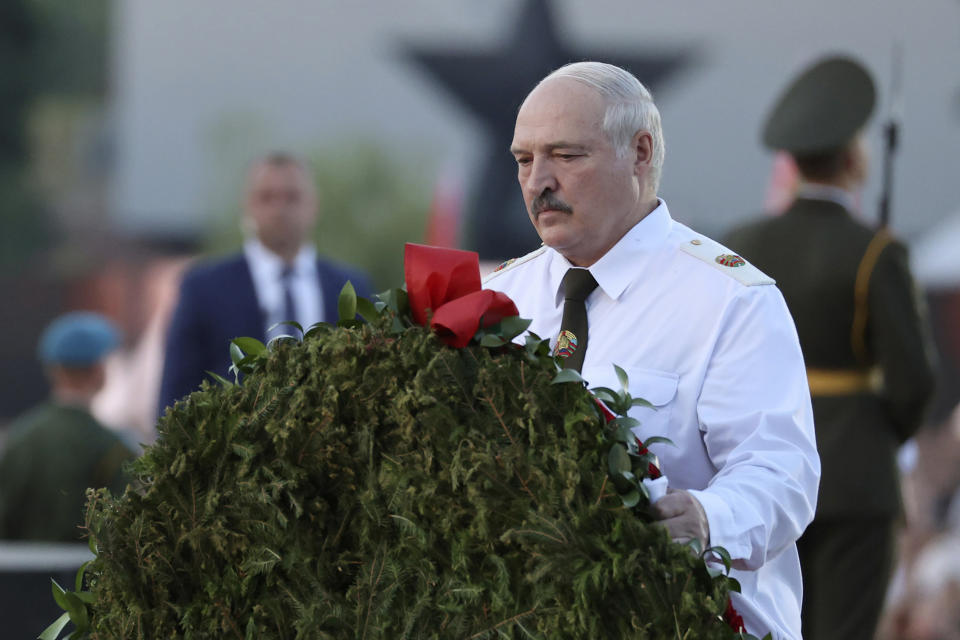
x: 695, y: 241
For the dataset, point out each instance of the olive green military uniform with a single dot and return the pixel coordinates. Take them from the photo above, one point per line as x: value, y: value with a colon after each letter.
x: 863, y: 336
x: 52, y: 454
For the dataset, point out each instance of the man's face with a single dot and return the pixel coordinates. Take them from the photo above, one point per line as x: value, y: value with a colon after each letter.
x: 580, y: 196
x: 281, y: 205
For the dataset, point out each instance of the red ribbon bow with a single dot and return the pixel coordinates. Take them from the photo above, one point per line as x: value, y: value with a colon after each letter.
x: 447, y: 281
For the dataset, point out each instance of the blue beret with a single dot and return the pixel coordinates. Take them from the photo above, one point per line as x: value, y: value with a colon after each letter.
x: 78, y: 339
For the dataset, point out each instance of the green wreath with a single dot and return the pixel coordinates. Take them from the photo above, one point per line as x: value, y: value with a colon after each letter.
x: 371, y: 482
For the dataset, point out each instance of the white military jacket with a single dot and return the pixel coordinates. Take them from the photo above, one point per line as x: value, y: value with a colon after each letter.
x: 708, y: 340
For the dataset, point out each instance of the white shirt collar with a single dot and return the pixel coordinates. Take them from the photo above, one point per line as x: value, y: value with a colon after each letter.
x: 266, y: 269
x: 617, y: 267
x: 264, y: 262
x: 830, y: 193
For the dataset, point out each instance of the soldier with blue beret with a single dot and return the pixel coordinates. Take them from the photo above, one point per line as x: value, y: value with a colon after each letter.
x: 57, y: 450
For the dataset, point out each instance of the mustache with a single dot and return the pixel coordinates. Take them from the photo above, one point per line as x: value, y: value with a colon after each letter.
x: 547, y: 200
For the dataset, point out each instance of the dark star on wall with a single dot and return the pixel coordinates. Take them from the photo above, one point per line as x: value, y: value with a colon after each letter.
x: 492, y: 85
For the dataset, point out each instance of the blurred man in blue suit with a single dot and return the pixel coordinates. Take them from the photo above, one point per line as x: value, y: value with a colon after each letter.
x: 277, y: 277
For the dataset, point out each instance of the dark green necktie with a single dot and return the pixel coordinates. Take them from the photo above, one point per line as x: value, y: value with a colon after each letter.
x: 572, y: 342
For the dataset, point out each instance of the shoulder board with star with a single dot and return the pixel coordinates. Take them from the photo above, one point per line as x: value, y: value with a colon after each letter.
x: 723, y: 259
x: 513, y: 263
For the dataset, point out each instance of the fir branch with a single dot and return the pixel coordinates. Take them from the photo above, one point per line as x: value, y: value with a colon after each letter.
x: 503, y: 623
x: 499, y: 417
x: 330, y: 446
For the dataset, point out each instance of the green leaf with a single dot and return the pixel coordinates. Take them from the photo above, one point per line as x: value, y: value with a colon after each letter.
x: 396, y: 300
x: 605, y: 396
x: 78, y: 581
x: 733, y: 584
x: 623, y: 434
x: 513, y: 326
x: 236, y: 354
x: 59, y: 595
x: 246, y: 364
x: 624, y: 380
x: 567, y: 375
x: 367, y: 310
x: 78, y: 611
x: 625, y: 421
x: 607, y: 391
x: 644, y: 491
x: 642, y: 464
x: 388, y: 299
x: 85, y: 597
x: 490, y: 340
x: 536, y: 347
x: 658, y: 440
x: 250, y: 346
x: 226, y: 384
x: 318, y: 328
x: 695, y: 545
x: 53, y: 631
x: 618, y: 460
x: 617, y: 401
x: 722, y: 553
x: 640, y: 402
x: 631, y: 499
x: 624, y: 482
x: 347, y: 302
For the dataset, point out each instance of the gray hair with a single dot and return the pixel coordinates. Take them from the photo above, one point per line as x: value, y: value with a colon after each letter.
x: 630, y: 107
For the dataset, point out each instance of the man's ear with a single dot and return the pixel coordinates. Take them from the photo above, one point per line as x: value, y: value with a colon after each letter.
x: 642, y: 148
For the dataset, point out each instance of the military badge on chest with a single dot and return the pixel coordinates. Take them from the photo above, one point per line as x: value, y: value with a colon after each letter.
x: 566, y: 344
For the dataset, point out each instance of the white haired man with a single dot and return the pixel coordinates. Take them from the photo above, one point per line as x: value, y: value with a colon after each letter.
x: 703, y: 335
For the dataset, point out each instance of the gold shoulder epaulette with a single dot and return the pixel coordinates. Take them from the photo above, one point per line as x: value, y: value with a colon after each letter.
x: 722, y: 259
x: 513, y: 263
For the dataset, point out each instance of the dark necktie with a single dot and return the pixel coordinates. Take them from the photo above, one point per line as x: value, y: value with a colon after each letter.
x: 572, y: 341
x: 289, y: 308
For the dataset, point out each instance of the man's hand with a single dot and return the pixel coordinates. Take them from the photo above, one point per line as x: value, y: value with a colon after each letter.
x: 683, y: 516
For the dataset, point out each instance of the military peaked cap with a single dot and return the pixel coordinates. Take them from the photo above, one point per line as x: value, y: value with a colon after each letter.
x: 822, y: 109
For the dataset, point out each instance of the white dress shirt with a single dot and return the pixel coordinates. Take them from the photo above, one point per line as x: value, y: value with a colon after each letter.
x: 714, y: 349
x: 266, y: 269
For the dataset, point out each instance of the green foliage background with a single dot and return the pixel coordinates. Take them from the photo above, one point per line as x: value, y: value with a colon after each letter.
x: 374, y: 483
x: 53, y: 79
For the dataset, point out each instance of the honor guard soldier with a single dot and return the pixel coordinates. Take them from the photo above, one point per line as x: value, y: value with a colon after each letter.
x: 849, y: 289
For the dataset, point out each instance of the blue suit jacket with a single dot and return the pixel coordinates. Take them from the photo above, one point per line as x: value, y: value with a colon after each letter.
x: 217, y: 304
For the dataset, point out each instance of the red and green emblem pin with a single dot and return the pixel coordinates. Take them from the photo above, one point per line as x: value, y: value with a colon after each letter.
x: 566, y: 344
x: 730, y: 260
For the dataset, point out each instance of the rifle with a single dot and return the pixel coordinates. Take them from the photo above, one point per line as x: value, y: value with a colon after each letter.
x: 891, y: 135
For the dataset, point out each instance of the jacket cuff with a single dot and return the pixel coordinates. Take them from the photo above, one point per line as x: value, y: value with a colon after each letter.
x: 723, y: 530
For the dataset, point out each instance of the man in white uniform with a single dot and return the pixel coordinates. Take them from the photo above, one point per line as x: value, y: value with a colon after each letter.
x: 704, y: 336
